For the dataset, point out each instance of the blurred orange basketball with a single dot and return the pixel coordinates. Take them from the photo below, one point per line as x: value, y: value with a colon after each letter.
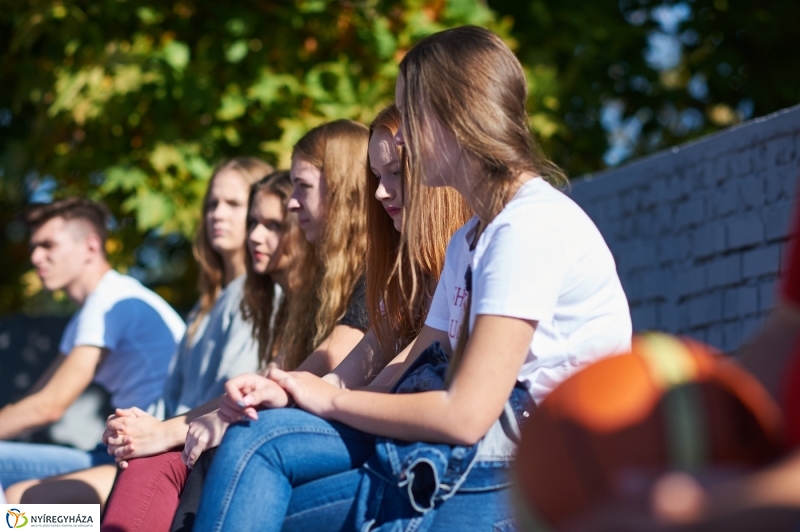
x: 669, y: 404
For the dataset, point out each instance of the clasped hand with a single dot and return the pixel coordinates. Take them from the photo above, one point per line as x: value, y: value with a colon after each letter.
x: 246, y: 394
x: 132, y: 433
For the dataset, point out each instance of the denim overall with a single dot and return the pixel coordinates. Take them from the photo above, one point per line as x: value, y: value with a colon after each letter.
x: 407, y: 481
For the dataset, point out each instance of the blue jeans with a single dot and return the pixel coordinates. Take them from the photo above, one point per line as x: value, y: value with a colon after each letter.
x: 294, y: 471
x: 258, y: 466
x: 25, y: 461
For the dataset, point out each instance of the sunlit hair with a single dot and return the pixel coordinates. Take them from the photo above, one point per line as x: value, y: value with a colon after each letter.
x: 85, y: 210
x: 339, y: 150
x: 250, y: 169
x: 259, y: 298
x: 443, y: 211
x: 470, y: 82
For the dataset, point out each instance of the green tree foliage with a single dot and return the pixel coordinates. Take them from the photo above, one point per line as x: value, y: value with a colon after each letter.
x: 634, y: 76
x: 134, y: 101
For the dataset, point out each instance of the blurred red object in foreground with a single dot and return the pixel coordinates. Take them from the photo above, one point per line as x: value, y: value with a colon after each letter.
x: 669, y: 404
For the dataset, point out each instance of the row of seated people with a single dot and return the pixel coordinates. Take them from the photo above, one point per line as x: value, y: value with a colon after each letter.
x: 374, y: 324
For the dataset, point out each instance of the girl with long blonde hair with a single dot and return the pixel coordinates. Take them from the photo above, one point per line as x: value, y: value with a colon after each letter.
x: 324, y: 317
x: 529, y: 293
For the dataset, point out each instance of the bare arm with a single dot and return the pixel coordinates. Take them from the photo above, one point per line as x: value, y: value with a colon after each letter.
x: 395, y: 369
x: 332, y: 350
x: 69, y: 378
x: 462, y: 414
x: 360, y: 366
x: 47, y: 375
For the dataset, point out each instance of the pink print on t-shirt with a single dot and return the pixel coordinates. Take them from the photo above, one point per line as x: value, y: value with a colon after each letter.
x: 459, y: 301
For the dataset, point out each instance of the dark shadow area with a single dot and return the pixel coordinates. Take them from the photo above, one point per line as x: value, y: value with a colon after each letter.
x: 65, y: 491
x: 28, y: 345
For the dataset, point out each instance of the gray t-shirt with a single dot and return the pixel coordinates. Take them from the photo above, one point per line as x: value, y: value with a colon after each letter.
x: 222, y: 347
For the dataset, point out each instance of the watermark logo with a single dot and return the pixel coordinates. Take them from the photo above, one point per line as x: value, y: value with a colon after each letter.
x: 52, y: 517
x: 19, y: 518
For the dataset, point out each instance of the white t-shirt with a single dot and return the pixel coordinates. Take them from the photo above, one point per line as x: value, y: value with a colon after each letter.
x: 540, y: 259
x: 138, y: 328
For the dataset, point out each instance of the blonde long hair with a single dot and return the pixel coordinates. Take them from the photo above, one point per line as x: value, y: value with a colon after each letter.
x: 443, y: 211
x: 209, y: 282
x: 339, y: 150
x: 270, y: 324
x: 473, y: 85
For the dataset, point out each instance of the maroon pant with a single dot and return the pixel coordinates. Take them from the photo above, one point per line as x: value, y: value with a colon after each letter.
x: 146, y: 494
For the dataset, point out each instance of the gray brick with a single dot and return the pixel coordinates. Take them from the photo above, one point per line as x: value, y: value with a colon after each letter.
x: 620, y: 230
x: 669, y: 317
x: 781, y: 151
x: 640, y: 253
x: 709, y: 239
x: 690, y: 281
x: 691, y: 178
x: 698, y: 335
x: 691, y: 212
x: 773, y: 184
x: 743, y: 163
x: 761, y: 158
x: 777, y: 220
x: 664, y: 220
x: 714, y: 336
x: 644, y: 225
x: 674, y: 248
x: 655, y: 194
x: 674, y: 190
x: 704, y: 175
x: 739, y: 302
x: 724, y: 200
x: 722, y: 168
x: 632, y: 284
x: 767, y: 292
x: 732, y: 336
x: 751, y: 190
x: 629, y: 202
x: 761, y: 261
x: 744, y: 232
x: 705, y: 309
x: 724, y: 271
x: 612, y: 207
x: 656, y: 284
x: 644, y: 317
x: 779, y: 184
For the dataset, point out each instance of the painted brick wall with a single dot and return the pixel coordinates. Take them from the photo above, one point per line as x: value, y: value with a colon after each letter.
x: 699, y: 231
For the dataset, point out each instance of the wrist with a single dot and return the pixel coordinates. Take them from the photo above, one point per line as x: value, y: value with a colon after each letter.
x: 335, y: 403
x: 175, y: 431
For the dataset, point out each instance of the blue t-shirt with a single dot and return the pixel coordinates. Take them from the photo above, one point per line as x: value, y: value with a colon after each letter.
x: 140, y: 331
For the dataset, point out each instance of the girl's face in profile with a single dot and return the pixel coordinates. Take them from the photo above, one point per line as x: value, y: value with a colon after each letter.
x: 265, y: 233
x: 384, y: 161
x: 226, y: 212
x: 442, y: 156
x: 308, y: 198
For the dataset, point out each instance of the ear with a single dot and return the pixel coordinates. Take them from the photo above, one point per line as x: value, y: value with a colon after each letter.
x: 94, y: 245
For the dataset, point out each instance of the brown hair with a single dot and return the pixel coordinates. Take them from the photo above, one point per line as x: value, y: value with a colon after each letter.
x: 209, y: 282
x: 259, y: 289
x: 82, y: 209
x: 443, y: 211
x: 339, y: 150
x: 474, y: 86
